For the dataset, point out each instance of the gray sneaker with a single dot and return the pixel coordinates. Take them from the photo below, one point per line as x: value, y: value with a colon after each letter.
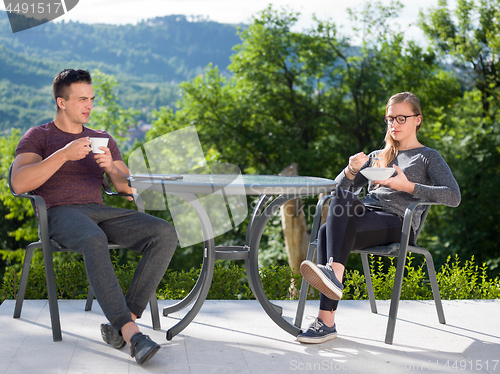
x: 318, y: 332
x: 322, y: 278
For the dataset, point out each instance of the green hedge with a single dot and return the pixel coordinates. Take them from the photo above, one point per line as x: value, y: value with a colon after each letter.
x: 456, y: 281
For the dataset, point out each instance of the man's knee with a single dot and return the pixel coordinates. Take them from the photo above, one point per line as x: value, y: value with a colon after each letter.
x: 165, y: 232
x: 95, y: 239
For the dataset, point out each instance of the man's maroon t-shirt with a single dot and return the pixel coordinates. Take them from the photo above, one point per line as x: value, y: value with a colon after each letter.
x: 76, y: 182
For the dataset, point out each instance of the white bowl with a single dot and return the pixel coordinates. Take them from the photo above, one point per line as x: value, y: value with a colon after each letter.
x: 377, y: 174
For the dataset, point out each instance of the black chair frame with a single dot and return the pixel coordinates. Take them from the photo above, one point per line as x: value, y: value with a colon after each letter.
x: 399, y: 250
x: 50, y: 246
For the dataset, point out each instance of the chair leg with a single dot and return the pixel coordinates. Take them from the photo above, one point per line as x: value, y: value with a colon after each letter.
x: 24, y: 278
x: 369, y: 283
x: 153, y: 303
x: 52, y: 295
x: 396, y: 294
x: 90, y: 300
x: 435, y: 288
x: 155, y: 316
x: 304, y: 289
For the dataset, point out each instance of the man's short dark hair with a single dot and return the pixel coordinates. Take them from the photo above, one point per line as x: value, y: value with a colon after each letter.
x: 65, y: 79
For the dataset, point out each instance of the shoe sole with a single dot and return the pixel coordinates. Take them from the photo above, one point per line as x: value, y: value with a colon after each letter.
x: 318, y: 280
x: 106, y: 333
x: 148, y: 355
x: 318, y: 340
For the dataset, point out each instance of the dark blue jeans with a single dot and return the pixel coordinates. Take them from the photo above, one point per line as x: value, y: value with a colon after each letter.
x: 87, y: 229
x: 350, y: 225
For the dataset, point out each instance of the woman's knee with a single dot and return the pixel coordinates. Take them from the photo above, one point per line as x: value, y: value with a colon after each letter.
x: 322, y: 232
x: 345, y: 203
x: 321, y: 245
x: 340, y: 202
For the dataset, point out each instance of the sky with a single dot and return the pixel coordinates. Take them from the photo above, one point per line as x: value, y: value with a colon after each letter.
x: 233, y: 11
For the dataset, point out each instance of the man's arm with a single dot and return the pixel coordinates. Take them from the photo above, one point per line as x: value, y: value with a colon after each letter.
x: 29, y: 171
x: 116, y: 171
x: 119, y: 177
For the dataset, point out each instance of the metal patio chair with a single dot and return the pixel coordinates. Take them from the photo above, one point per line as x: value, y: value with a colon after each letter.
x: 398, y: 250
x: 50, y: 246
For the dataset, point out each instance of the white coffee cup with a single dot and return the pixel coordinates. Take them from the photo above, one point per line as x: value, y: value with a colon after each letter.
x: 95, y: 143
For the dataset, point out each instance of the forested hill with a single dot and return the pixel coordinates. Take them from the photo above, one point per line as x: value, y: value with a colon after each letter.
x: 148, y: 59
x: 170, y: 48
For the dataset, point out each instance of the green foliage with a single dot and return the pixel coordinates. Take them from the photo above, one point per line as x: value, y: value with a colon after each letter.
x: 468, y: 281
x: 10, y: 284
x: 20, y: 219
x: 468, y: 37
x: 272, y: 249
x: 303, y: 97
x: 228, y: 283
x: 23, y: 105
x: 178, y: 284
x: 108, y: 114
x: 278, y: 282
x: 455, y: 281
x: 70, y: 276
x: 313, y: 98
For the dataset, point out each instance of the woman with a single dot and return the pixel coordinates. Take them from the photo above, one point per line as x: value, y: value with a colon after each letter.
x: 420, y: 174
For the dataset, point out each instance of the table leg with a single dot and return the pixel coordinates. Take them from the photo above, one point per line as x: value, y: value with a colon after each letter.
x: 310, y: 254
x: 259, y: 206
x: 253, y: 266
x: 257, y: 211
x: 190, y: 297
x: 207, y: 270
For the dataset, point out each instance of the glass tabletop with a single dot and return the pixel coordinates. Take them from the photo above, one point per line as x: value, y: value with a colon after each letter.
x: 237, y: 184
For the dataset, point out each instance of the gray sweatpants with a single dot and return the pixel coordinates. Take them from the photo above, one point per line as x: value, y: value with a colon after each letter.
x: 86, y: 229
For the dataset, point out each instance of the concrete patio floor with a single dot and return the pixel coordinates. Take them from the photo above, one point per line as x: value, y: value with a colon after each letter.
x: 239, y: 337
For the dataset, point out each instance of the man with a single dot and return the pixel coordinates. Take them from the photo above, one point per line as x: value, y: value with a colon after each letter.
x: 55, y: 161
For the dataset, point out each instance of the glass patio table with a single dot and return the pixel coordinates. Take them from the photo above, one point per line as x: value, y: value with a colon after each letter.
x: 273, y: 191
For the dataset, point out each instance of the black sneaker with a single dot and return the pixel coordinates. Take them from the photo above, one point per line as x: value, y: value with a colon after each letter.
x: 111, y: 336
x: 318, y: 332
x: 322, y: 278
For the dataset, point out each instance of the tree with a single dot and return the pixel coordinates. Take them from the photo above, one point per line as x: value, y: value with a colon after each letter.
x: 108, y: 115
x: 19, y: 215
x: 309, y: 98
x: 472, y: 43
x: 304, y: 97
x: 469, y: 39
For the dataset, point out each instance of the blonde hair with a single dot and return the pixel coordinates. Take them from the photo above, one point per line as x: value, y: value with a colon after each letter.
x: 391, y: 148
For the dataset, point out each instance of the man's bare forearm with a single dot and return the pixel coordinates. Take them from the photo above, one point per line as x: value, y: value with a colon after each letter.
x: 118, y: 176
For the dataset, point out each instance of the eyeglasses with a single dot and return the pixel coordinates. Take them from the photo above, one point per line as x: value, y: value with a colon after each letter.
x: 399, y: 119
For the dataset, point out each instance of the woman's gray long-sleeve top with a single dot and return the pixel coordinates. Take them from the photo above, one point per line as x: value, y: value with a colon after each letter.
x: 423, y: 166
